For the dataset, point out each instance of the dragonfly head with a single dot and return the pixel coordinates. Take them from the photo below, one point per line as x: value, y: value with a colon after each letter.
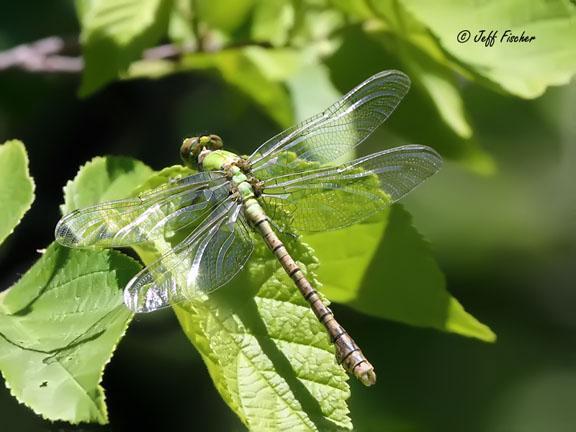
x: 195, y: 149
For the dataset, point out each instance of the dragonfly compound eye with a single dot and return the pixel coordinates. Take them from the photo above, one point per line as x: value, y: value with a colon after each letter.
x: 216, y: 143
x: 211, y: 142
x: 190, y: 150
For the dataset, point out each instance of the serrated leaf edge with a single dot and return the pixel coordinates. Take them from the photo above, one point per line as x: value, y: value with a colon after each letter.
x: 103, y: 409
x: 28, y: 177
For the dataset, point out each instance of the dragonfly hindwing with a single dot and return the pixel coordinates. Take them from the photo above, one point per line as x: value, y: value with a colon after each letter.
x: 335, y: 197
x: 207, y: 259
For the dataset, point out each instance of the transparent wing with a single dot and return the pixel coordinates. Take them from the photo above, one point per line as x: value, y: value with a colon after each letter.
x: 151, y: 215
x: 335, y: 197
x: 335, y: 132
x: 208, y: 258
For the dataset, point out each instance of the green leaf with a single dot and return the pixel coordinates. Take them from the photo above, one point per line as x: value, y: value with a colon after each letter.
x: 224, y: 15
x: 357, y: 9
x: 278, y: 64
x: 438, y: 85
x: 104, y: 179
x: 427, y: 64
x: 272, y: 21
x: 16, y: 186
x: 429, y: 69
x: 434, y: 74
x: 237, y: 68
x: 436, y: 131
x: 59, y: 326
x: 260, y: 74
x: 114, y: 34
x: 181, y: 23
x: 156, y: 179
x: 312, y: 91
x: 386, y: 269
x: 316, y: 26
x: 64, y: 318
x: 258, y: 333
x: 82, y: 7
x: 269, y: 357
x: 525, y: 69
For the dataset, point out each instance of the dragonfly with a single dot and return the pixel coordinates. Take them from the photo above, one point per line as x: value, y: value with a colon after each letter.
x: 301, y: 180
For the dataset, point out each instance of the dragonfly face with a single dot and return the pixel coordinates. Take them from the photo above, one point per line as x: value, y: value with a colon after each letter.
x: 194, y: 149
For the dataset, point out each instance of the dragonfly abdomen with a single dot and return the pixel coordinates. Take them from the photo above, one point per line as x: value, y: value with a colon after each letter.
x: 347, y: 352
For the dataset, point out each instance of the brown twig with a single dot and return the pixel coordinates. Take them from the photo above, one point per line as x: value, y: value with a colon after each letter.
x: 45, y: 56
x: 41, y: 56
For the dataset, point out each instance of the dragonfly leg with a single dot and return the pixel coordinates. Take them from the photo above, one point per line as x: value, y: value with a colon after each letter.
x: 282, y: 230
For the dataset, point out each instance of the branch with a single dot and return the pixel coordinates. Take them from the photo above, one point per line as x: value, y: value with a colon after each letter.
x: 45, y: 55
x: 41, y: 56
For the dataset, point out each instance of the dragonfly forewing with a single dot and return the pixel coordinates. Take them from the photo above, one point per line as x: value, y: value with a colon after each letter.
x: 151, y: 215
x: 334, y: 133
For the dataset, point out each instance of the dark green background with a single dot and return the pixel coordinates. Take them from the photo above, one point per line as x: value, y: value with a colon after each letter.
x: 506, y: 243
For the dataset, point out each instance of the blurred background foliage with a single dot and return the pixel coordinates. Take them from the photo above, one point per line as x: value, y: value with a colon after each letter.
x: 501, y: 216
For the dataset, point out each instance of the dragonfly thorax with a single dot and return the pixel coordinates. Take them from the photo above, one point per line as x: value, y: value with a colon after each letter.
x: 217, y: 160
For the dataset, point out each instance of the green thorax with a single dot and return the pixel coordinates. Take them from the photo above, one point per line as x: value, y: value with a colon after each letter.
x: 224, y: 160
x: 216, y: 160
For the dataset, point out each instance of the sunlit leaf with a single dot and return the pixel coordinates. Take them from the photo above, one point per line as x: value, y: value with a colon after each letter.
x: 278, y: 64
x: 272, y: 21
x: 59, y: 326
x: 525, y: 69
x: 158, y: 178
x: 115, y: 33
x: 64, y: 318
x: 440, y: 83
x: 224, y: 15
x: 104, y: 179
x: 433, y: 74
x: 316, y: 27
x: 269, y: 357
x: 181, y: 23
x: 427, y: 115
x: 386, y: 269
x: 357, y: 9
x: 425, y: 62
x: 312, y: 91
x: 16, y: 186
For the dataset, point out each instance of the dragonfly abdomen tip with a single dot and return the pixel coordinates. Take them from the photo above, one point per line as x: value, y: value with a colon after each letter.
x: 365, y: 373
